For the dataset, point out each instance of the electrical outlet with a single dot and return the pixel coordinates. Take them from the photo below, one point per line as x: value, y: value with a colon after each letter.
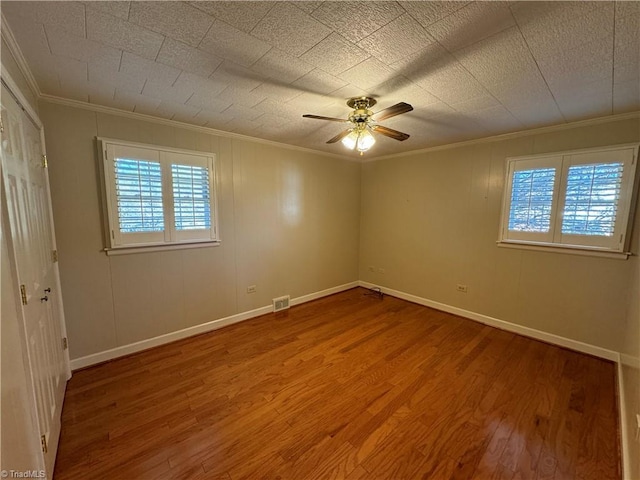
x: 251, y: 289
x: 461, y: 288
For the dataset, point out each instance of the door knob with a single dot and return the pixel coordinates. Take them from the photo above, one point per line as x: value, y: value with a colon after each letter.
x: 44, y: 299
x: 47, y: 290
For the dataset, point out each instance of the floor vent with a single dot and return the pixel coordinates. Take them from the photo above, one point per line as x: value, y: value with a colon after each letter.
x: 280, y: 303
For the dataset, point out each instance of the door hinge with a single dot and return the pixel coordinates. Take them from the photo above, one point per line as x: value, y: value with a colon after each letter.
x: 65, y: 343
x: 54, y: 254
x: 43, y: 442
x: 23, y: 294
x: 1, y: 126
x: 45, y: 164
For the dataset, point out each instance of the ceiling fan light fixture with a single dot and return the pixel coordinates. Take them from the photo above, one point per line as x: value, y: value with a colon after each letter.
x: 365, y: 140
x: 351, y: 140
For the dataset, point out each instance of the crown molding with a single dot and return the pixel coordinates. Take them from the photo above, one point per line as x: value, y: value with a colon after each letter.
x: 508, y: 136
x: 174, y: 123
x: 16, y: 53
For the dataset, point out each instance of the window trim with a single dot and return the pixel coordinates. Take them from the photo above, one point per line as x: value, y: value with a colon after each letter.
x: 169, y: 238
x: 624, y: 217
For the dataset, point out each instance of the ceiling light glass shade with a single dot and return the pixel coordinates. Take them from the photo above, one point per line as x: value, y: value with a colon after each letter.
x: 365, y: 141
x: 351, y: 140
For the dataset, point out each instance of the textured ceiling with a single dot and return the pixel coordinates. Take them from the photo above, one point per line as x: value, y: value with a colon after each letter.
x: 470, y: 69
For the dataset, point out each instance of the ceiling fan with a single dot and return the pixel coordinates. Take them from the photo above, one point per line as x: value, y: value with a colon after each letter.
x: 364, y: 122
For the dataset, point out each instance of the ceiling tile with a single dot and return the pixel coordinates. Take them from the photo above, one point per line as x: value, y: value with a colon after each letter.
x: 70, y: 69
x: 320, y: 82
x: 177, y: 20
x: 308, y: 5
x: 126, y: 100
x: 311, y: 101
x: 560, y: 54
x: 240, y: 96
x: 627, y: 71
x: 154, y: 111
x: 281, y: 66
x: 474, y: 104
x: 273, y: 120
x: 398, y: 39
x: 349, y: 91
x: 162, y: 91
x: 234, y: 74
x: 439, y: 73
x: 277, y: 92
x: 212, y: 118
x: 100, y: 94
x: 430, y: 12
x: 334, y: 54
x: 626, y: 96
x: 474, y: 22
x: 550, y: 27
x: 501, y: 62
x: 368, y: 74
x: 179, y: 113
x: 112, y: 7
x: 290, y: 29
x: 137, y: 66
x: 401, y: 89
x: 184, y: 57
x: 243, y: 15
x: 590, y: 61
x: 67, y: 15
x: 204, y: 100
x: 225, y: 41
x: 357, y: 20
x: 66, y: 45
x: 495, y: 119
x: 114, y: 31
x: 276, y: 107
x: 241, y: 112
x: 591, y: 102
x: 32, y: 40
x: 109, y: 74
x: 534, y: 110
x: 188, y: 81
x: 627, y: 34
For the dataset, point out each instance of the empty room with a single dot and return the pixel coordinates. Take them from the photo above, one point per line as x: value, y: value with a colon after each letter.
x: 320, y: 240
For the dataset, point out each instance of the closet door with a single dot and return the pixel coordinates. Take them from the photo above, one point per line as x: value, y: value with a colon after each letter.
x: 28, y: 205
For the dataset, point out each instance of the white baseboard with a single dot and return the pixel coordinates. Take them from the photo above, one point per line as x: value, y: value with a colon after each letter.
x: 624, y: 433
x: 123, y: 350
x: 503, y: 325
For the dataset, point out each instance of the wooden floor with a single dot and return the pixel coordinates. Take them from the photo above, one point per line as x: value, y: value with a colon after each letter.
x: 346, y: 387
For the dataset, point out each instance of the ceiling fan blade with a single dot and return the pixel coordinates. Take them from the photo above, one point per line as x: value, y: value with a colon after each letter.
x: 319, y: 117
x: 389, y: 132
x: 392, y: 111
x: 340, y: 136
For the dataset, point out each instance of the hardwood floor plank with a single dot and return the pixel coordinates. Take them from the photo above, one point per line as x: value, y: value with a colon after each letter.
x: 345, y: 387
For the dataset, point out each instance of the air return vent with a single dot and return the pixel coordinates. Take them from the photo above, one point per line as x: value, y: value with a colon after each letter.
x: 280, y: 303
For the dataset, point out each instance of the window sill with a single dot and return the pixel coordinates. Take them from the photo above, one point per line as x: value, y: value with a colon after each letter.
x: 160, y: 248
x: 571, y: 250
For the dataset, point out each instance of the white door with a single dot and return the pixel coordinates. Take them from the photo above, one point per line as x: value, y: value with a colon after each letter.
x: 28, y: 204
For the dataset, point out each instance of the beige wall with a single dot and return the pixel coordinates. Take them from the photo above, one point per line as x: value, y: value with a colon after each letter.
x: 430, y: 221
x: 288, y: 222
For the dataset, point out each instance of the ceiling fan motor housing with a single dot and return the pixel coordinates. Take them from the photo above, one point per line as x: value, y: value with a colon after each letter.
x: 361, y: 113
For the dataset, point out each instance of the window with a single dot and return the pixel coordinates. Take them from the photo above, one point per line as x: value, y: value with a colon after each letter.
x: 158, y: 196
x: 579, y: 200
